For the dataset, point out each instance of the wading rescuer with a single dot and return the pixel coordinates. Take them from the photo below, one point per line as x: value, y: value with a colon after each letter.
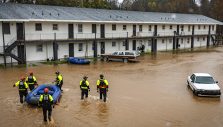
x: 59, y: 80
x: 23, y: 86
x: 46, y: 100
x: 31, y: 81
x: 102, y: 85
x: 84, y: 86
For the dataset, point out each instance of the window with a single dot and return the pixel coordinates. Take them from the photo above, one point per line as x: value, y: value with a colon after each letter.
x: 182, y: 40
x: 171, y: 27
x: 39, y: 48
x: 124, y: 27
x: 150, y: 27
x: 170, y: 40
x: 204, y: 27
x: 55, y: 26
x: 198, y: 39
x: 149, y: 42
x: 192, y: 77
x: 120, y: 53
x: 80, y: 47
x: 94, y: 28
x: 182, y: 28
x: 140, y: 28
x: 188, y: 28
x: 6, y: 28
x: 203, y: 38
x: 113, y: 44
x: 212, y: 27
x: 188, y: 40
x: 163, y: 27
x: 113, y: 27
x: 80, y: 28
x: 163, y: 41
x: 123, y: 43
x: 38, y: 27
x: 199, y: 27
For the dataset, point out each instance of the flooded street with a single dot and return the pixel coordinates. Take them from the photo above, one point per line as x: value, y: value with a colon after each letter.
x: 150, y: 93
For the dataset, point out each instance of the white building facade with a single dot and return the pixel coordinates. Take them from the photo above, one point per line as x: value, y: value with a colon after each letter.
x: 50, y: 32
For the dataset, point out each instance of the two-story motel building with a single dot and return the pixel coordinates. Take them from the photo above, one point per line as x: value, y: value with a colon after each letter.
x: 40, y: 32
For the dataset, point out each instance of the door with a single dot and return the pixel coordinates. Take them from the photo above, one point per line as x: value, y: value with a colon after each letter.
x: 134, y: 30
x: 102, y: 47
x: 134, y: 45
x: 102, y: 30
x: 21, y: 52
x: 71, y: 49
x: 94, y: 29
x: 126, y: 44
x: 20, y: 31
x: 155, y: 30
x: 70, y: 31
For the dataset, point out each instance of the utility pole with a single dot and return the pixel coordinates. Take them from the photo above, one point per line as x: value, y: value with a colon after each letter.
x: 3, y: 37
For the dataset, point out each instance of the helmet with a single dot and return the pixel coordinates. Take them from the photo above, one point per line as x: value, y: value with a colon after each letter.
x: 46, y: 90
x: 57, y: 72
x: 85, y: 77
x: 101, y: 76
x: 31, y: 73
x: 22, y: 78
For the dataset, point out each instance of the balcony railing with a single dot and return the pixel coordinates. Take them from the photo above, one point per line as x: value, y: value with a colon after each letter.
x: 82, y: 36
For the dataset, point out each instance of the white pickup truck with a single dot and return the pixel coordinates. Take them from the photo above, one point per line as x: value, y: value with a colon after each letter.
x: 124, y: 56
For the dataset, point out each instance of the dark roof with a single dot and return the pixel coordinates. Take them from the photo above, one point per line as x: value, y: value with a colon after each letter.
x: 30, y: 12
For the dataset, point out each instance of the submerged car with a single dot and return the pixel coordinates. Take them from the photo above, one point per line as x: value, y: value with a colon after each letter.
x: 203, y: 84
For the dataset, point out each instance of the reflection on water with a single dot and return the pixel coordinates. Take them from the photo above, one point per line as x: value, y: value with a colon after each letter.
x: 150, y: 93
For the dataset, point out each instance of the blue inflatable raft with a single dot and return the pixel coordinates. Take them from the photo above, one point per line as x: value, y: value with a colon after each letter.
x: 33, y: 96
x: 76, y: 60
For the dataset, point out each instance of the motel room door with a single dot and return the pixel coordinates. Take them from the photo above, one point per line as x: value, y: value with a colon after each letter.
x: 134, y: 30
x: 70, y: 31
x: 20, y: 31
x: 71, y: 49
x: 102, y: 30
x: 134, y: 45
x: 102, y: 47
x: 21, y: 52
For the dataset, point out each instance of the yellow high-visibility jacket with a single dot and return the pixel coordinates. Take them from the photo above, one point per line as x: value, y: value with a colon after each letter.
x: 102, y: 83
x: 22, y: 85
x: 84, y: 85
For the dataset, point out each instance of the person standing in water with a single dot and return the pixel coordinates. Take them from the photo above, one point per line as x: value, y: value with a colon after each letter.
x: 84, y: 86
x: 102, y: 86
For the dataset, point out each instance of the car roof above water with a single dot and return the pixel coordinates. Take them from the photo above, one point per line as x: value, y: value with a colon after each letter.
x: 202, y: 74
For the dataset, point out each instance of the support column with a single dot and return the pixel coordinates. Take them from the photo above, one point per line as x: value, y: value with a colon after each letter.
x: 209, y: 36
x: 192, y: 38
x: 3, y: 37
x: 95, y: 47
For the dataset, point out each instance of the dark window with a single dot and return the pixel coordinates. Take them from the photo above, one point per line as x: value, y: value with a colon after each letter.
x: 38, y: 27
x: 6, y: 28
x: 182, y: 40
x: 140, y: 28
x: 203, y: 38
x: 113, y: 27
x: 120, y: 53
x: 123, y: 43
x: 39, y: 48
x: 55, y: 26
x: 163, y: 27
x: 192, y: 77
x: 80, y: 47
x: 171, y: 27
x: 80, y: 28
x: 163, y: 41
x: 150, y: 27
x: 212, y: 27
x: 204, y: 80
x: 188, y: 28
x: 124, y: 27
x: 199, y: 27
x: 113, y: 44
x: 182, y: 28
x: 204, y: 27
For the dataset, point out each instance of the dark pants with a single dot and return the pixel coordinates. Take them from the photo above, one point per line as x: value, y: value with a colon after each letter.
x: 21, y: 94
x: 45, y: 110
x: 103, y: 92
x: 60, y: 85
x: 84, y: 92
x: 31, y: 87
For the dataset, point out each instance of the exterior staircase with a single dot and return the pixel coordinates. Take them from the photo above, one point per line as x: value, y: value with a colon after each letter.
x: 8, y: 52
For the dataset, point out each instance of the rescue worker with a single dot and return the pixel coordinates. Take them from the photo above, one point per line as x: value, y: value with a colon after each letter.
x: 84, y: 86
x: 23, y: 86
x: 102, y: 85
x: 59, y: 80
x: 46, y: 100
x: 31, y: 81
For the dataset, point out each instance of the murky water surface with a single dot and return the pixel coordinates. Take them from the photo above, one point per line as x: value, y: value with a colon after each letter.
x: 150, y: 93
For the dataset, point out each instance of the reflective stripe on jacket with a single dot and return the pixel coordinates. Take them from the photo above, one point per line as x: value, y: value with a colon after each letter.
x: 102, y: 83
x: 22, y: 85
x: 84, y: 84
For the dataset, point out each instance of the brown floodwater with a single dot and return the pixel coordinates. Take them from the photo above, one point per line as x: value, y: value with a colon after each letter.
x: 151, y: 93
